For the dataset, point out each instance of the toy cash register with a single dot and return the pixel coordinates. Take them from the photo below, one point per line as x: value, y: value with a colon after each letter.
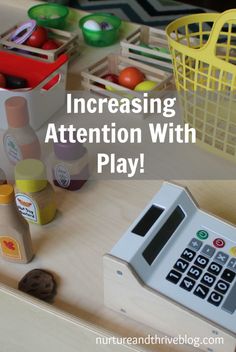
x: 175, y: 270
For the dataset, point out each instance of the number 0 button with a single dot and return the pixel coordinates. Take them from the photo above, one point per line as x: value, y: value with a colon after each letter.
x: 215, y: 298
x: 222, y: 286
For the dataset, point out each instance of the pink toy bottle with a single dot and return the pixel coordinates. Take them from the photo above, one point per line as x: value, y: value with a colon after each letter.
x: 20, y: 140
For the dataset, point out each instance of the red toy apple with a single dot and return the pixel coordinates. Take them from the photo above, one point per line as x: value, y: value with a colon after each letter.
x: 50, y: 45
x: 130, y: 77
x: 2, y: 81
x: 38, y: 38
x: 111, y: 77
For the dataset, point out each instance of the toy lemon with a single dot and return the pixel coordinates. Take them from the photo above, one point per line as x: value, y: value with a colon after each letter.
x: 146, y: 86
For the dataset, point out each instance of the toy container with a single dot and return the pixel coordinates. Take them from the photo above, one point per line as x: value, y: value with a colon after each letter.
x: 35, y: 196
x: 148, y: 45
x: 204, y: 59
x: 69, y: 45
x: 15, y: 238
x: 92, y: 76
x: 49, y: 15
x: 46, y: 90
x: 101, y: 38
x: 70, y: 165
x: 20, y: 140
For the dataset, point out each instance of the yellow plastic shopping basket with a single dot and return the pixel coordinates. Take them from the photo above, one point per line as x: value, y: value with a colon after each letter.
x: 203, y: 49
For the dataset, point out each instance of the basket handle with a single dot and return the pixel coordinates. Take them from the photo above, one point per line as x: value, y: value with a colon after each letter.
x: 223, y: 18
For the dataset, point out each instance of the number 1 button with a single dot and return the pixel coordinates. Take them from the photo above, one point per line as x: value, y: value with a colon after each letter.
x: 173, y: 276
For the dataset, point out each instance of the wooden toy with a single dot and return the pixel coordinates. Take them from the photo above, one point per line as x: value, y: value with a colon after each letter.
x: 15, y: 238
x: 93, y: 76
x: 176, y: 263
x: 148, y: 45
x: 69, y: 44
x: 20, y: 140
x: 35, y: 196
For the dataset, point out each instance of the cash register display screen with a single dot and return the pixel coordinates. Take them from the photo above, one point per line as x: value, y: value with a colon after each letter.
x: 147, y: 221
x: 163, y: 235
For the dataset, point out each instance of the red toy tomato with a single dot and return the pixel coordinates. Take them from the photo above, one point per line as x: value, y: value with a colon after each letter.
x: 38, y: 38
x: 50, y: 45
x: 111, y: 77
x: 130, y: 77
x: 2, y: 81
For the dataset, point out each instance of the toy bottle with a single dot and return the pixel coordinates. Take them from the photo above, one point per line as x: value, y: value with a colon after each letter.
x: 70, y: 165
x: 15, y: 239
x: 20, y: 141
x: 35, y: 196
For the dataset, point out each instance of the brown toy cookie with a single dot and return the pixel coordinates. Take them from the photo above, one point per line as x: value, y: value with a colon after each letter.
x: 39, y: 284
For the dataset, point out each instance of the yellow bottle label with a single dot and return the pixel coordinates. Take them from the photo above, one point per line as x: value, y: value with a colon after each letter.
x: 10, y: 247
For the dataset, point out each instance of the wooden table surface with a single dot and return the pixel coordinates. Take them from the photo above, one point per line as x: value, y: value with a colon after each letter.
x: 90, y: 222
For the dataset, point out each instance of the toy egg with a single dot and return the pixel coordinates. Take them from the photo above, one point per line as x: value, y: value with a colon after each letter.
x: 145, y: 86
x: 92, y: 25
x: 105, y: 26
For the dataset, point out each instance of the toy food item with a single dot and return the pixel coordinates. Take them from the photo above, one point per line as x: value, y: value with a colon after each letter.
x: 2, y: 81
x: 92, y: 25
x: 20, y: 141
x: 130, y: 77
x: 39, y: 284
x: 23, y: 32
x: 50, y: 45
x: 70, y: 167
x: 15, y: 239
x: 35, y: 196
x: 109, y: 77
x: 13, y: 82
x: 38, y: 37
x: 145, y: 86
x: 105, y: 26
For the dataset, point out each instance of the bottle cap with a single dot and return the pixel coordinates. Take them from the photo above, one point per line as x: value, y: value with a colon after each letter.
x: 17, y: 112
x: 69, y: 151
x: 7, y: 194
x: 30, y: 176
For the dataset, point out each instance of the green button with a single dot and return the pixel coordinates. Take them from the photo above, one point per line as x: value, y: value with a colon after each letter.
x: 202, y: 234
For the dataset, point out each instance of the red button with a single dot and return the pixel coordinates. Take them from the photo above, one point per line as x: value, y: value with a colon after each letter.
x: 219, y: 243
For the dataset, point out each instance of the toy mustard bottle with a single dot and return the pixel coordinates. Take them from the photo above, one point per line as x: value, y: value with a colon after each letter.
x: 70, y: 165
x: 20, y: 141
x: 15, y: 239
x: 35, y: 196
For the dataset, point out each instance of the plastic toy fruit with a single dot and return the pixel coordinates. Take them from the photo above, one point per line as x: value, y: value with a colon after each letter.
x: 2, y: 81
x: 145, y: 86
x: 38, y: 38
x: 130, y: 77
x: 111, y: 77
x: 50, y: 45
x: 105, y: 26
x: 92, y: 25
